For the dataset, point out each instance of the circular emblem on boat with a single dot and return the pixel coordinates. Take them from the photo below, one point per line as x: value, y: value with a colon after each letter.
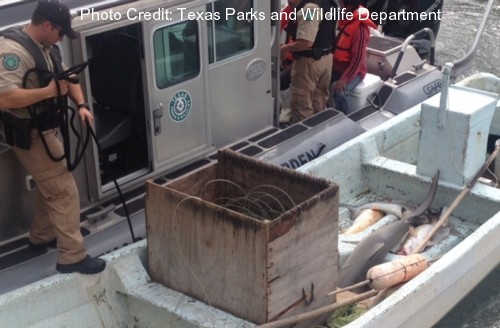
x: 180, y: 106
x: 11, y: 62
x: 255, y: 69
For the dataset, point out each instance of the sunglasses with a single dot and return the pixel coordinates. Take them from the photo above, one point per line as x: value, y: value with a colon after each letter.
x: 61, y: 33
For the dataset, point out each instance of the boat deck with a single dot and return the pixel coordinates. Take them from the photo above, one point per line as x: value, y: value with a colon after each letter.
x: 122, y: 296
x: 381, y: 166
x: 459, y: 230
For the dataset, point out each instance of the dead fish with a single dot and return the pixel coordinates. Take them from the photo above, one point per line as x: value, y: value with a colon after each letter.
x: 416, y: 236
x: 388, y: 208
x: 367, y: 218
x: 373, y: 249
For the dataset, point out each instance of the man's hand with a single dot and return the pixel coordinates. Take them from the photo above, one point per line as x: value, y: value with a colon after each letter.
x: 339, y: 86
x: 86, y: 115
x: 52, y: 88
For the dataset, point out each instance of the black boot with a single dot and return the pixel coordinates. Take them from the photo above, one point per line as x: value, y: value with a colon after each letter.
x: 89, y: 265
x: 42, y: 247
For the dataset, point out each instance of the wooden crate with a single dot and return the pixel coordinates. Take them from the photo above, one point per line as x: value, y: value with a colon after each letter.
x: 255, y: 267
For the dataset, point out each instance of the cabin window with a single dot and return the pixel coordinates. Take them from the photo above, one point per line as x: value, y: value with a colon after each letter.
x: 176, y: 53
x: 233, y: 32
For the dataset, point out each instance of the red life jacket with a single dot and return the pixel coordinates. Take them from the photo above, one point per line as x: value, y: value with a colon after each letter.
x: 348, y: 28
x: 283, y: 29
x: 287, y: 10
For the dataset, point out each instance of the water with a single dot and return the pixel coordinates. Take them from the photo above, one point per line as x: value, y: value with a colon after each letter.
x: 460, y: 20
x: 481, y: 308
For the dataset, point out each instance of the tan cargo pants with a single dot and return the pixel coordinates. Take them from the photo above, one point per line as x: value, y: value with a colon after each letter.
x: 310, y: 83
x: 57, y: 210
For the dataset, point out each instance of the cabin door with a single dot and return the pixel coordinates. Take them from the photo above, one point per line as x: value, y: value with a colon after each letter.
x: 176, y: 84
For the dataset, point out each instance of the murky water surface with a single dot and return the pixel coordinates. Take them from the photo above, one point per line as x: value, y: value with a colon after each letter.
x: 459, y: 24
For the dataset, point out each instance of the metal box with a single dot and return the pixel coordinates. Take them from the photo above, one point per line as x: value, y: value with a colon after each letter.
x: 453, y: 140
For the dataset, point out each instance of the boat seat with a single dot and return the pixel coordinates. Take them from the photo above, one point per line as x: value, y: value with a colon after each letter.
x: 112, y: 127
x: 115, y: 77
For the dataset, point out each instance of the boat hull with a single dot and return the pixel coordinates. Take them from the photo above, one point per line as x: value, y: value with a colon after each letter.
x: 381, y: 161
x: 390, y: 150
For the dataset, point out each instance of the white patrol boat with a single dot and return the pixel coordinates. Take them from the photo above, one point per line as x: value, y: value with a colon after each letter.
x: 168, y: 89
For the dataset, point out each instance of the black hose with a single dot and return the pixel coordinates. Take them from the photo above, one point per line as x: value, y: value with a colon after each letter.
x: 65, y: 123
x: 117, y: 186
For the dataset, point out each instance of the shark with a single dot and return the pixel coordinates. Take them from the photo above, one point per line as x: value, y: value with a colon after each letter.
x: 372, y: 250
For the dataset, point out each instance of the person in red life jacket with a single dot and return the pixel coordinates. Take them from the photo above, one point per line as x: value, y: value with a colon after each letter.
x: 286, y: 10
x: 313, y: 37
x: 349, y: 57
x: 286, y: 63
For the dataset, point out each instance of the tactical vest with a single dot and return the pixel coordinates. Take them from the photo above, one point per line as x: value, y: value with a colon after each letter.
x: 325, y: 38
x: 42, y: 69
x: 44, y: 113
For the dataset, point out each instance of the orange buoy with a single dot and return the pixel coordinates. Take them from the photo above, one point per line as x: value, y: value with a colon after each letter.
x: 389, y: 274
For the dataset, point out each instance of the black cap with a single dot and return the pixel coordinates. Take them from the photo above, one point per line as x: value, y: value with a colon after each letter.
x: 57, y: 13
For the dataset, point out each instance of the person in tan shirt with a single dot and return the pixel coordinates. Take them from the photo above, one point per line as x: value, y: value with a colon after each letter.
x: 313, y: 38
x: 57, y: 211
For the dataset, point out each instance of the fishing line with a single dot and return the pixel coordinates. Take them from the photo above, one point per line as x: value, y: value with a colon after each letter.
x: 272, y: 213
x: 183, y: 255
x: 253, y: 203
x: 224, y: 181
x: 276, y: 200
x: 181, y: 298
x: 274, y: 188
x: 450, y: 133
x: 494, y: 176
x: 246, y: 208
x: 241, y: 204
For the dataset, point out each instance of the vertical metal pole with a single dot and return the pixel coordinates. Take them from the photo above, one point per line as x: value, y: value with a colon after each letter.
x: 443, y: 104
